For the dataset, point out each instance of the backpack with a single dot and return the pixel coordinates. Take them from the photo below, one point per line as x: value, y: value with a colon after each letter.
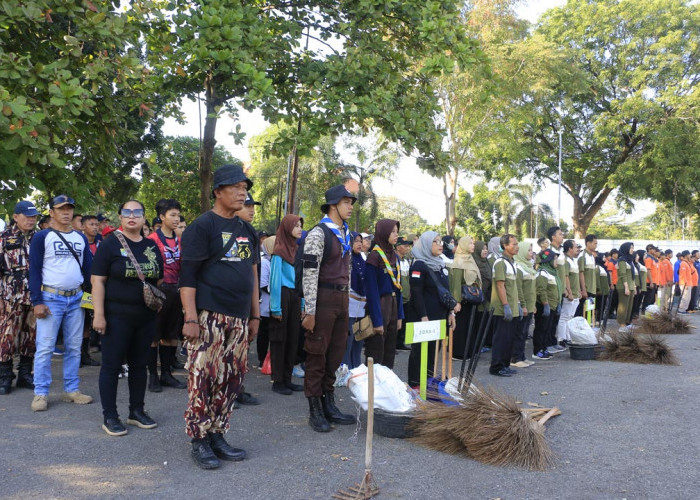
x: 303, y: 260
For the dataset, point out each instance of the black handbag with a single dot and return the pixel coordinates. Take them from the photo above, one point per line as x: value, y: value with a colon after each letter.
x: 472, y: 294
x: 446, y: 298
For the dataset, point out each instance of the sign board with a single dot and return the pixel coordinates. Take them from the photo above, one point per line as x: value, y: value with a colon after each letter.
x: 425, y: 331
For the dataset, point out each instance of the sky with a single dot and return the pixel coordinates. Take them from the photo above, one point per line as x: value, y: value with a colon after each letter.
x: 409, y: 182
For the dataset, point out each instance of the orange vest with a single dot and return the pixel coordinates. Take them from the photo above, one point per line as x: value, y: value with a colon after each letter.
x: 666, y: 272
x: 613, y: 271
x: 685, y: 274
x: 652, y: 266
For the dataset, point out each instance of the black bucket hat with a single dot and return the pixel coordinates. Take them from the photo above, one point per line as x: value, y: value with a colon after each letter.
x: 230, y: 174
x: 334, y: 195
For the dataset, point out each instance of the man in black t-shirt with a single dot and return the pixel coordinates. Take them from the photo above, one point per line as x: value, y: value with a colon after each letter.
x: 219, y: 292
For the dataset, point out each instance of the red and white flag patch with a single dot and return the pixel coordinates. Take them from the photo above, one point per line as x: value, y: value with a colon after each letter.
x: 415, y: 274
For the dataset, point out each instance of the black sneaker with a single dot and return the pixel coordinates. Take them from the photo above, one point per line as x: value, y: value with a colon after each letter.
x: 294, y: 387
x: 203, y: 455
x: 246, y: 398
x: 114, y: 427
x: 154, y: 384
x: 281, y: 388
x: 223, y: 450
x: 140, y: 418
x: 501, y: 373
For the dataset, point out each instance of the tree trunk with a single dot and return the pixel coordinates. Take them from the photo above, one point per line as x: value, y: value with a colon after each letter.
x: 450, y: 191
x: 294, y: 175
x: 208, y: 144
x: 585, y: 212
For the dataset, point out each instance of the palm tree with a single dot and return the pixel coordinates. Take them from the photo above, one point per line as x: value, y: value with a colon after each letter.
x: 519, y: 208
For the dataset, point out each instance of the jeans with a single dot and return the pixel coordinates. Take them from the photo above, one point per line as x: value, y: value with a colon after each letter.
x: 65, y: 312
x: 353, y: 348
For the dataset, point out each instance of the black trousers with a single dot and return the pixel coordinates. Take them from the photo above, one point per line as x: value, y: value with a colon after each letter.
x: 504, y: 332
x: 128, y: 337
x: 461, y: 333
x: 382, y: 348
x: 401, y: 332
x: 649, y: 297
x: 414, y: 363
x: 518, y: 349
x: 637, y: 303
x: 284, y: 334
x: 551, y: 338
x: 542, y: 324
x: 615, y: 300
x: 263, y: 339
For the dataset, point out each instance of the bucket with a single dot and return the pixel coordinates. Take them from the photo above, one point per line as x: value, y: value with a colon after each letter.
x: 392, y: 424
x: 583, y: 352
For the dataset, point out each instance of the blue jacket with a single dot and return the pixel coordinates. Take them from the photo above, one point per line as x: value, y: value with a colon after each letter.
x: 377, y: 284
x: 282, y: 274
x: 676, y: 268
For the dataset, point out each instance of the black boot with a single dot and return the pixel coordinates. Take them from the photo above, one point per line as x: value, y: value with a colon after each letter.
x: 316, y: 419
x: 85, y: 358
x: 166, y: 376
x: 332, y: 412
x: 203, y: 455
x: 24, y: 373
x: 154, y: 383
x: 6, y: 376
x: 223, y: 450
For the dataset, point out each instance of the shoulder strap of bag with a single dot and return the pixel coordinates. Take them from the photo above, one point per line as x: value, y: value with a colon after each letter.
x: 75, y: 254
x: 223, y: 251
x: 122, y: 240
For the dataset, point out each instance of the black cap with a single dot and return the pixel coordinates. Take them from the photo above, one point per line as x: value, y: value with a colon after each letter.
x: 334, y: 195
x: 102, y: 217
x: 61, y: 200
x: 27, y: 208
x: 547, y: 255
x: 263, y: 234
x: 156, y: 220
x: 250, y: 201
x: 403, y: 241
x: 230, y: 174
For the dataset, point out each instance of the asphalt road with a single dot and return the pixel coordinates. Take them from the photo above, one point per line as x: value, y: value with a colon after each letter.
x: 627, y: 431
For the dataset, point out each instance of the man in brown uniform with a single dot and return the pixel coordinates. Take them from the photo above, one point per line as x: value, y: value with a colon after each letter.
x: 326, y: 283
x: 17, y: 323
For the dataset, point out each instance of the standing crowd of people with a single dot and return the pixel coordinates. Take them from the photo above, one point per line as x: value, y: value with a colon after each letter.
x: 312, y: 300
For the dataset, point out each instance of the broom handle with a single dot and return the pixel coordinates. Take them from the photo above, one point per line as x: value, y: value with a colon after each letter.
x: 449, y: 366
x: 548, y: 415
x: 470, y: 332
x: 679, y: 301
x: 435, y: 360
x: 606, y: 312
x: 444, y: 357
x: 477, y: 354
x: 370, y: 414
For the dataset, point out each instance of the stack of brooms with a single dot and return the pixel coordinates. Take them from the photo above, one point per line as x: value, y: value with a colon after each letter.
x: 484, y: 424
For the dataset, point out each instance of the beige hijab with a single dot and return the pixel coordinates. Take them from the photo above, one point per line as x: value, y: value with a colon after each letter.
x: 465, y: 260
x: 269, y: 245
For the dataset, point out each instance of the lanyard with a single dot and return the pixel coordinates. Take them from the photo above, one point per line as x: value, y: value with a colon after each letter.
x: 395, y: 278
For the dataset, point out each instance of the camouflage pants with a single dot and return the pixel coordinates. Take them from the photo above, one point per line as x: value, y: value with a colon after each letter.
x: 17, y: 331
x: 216, y: 364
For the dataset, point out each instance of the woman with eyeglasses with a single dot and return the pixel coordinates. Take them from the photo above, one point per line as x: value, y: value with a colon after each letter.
x: 430, y: 298
x: 122, y: 318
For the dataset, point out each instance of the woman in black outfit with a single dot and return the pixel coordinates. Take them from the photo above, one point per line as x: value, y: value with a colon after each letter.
x: 122, y: 318
x: 425, y: 302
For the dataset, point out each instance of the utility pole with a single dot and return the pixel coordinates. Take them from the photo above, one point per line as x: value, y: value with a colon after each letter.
x: 559, y: 202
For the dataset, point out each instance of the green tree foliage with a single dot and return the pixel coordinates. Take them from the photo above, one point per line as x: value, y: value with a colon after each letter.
x: 634, y: 68
x: 393, y: 208
x: 329, y: 65
x: 175, y: 175
x: 76, y: 101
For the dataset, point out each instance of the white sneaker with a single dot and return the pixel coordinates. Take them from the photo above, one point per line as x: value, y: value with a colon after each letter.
x: 520, y: 364
x: 298, y: 371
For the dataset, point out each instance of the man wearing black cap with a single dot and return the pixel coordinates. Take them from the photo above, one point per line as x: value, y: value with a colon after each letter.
x: 17, y: 324
x: 326, y: 283
x: 60, y: 262
x: 219, y: 292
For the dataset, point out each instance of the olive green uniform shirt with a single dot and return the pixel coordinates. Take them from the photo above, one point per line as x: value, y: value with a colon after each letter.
x: 547, y: 289
x: 603, y: 283
x: 573, y: 278
x: 587, y: 265
x: 527, y: 290
x: 504, y: 270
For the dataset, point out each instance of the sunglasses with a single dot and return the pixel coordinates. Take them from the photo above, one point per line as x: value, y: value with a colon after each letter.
x: 62, y: 199
x: 128, y: 212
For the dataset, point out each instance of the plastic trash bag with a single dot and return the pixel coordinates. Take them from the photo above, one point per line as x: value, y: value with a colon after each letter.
x: 651, y: 310
x: 390, y: 393
x: 581, y: 332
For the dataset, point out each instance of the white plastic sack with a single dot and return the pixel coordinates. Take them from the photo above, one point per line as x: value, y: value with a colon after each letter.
x: 652, y: 309
x: 580, y: 331
x: 390, y: 394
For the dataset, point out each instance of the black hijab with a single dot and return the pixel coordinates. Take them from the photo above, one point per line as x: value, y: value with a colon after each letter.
x: 484, y: 268
x: 627, y: 256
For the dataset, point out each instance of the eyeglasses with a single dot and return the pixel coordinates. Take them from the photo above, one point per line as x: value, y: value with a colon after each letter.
x: 128, y: 212
x: 438, y: 242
